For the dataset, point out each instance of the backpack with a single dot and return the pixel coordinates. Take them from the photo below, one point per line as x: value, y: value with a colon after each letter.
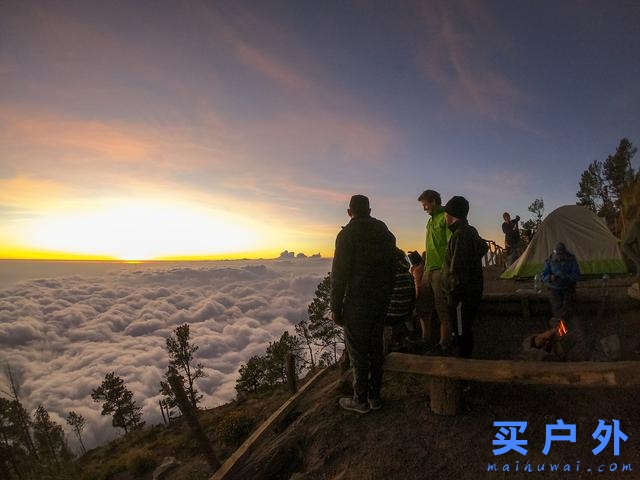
x: 403, y: 297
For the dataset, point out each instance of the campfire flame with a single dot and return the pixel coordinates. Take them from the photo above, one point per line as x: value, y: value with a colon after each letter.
x: 561, y: 328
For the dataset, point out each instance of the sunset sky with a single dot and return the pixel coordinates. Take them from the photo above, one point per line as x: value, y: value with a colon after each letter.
x: 202, y: 129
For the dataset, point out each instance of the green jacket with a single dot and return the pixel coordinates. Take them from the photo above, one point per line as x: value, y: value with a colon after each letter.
x: 438, y: 236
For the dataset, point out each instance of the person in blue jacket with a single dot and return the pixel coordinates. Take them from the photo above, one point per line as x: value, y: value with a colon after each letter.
x: 561, y: 273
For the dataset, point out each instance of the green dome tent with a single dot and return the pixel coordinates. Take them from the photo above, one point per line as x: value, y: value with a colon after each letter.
x: 585, y: 235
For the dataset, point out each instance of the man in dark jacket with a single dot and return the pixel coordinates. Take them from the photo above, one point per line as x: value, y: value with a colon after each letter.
x: 561, y: 272
x: 362, y: 277
x: 462, y: 271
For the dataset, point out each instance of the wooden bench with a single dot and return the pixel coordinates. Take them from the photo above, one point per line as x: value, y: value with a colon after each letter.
x: 446, y: 372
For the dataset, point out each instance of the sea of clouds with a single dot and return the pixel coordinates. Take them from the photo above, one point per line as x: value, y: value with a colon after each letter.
x: 63, y: 334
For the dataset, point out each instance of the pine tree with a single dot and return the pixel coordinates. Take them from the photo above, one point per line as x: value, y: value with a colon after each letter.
x: 14, y: 455
x: 252, y: 375
x: 276, y: 358
x: 530, y: 227
x: 77, y: 423
x: 603, y: 184
x: 51, y: 444
x: 302, y: 329
x: 181, y: 358
x: 326, y: 333
x: 117, y: 400
x: 266, y: 371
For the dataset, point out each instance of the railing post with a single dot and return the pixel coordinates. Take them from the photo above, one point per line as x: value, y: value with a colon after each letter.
x: 291, y: 373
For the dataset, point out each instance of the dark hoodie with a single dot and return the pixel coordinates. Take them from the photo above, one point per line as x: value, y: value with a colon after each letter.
x: 462, y: 268
x: 363, y: 271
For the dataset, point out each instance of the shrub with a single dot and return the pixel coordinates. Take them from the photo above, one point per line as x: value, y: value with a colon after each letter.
x: 233, y: 428
x: 141, y: 464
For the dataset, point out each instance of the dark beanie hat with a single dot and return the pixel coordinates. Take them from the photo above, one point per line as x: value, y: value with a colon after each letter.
x: 359, y: 204
x: 457, y: 207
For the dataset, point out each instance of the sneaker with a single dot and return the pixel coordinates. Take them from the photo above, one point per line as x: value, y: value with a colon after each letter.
x: 348, y: 403
x: 375, y: 404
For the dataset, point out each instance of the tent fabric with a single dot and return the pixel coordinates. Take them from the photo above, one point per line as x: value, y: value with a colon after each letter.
x: 585, y: 235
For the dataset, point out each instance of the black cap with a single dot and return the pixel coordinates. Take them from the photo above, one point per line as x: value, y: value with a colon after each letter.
x: 359, y: 205
x: 457, y: 207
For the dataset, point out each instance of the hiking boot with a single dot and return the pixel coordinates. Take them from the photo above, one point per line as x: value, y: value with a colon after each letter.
x: 348, y: 403
x: 375, y: 403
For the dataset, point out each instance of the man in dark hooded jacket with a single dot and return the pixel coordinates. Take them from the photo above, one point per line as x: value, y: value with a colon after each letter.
x: 462, y: 271
x: 561, y: 272
x: 362, y: 277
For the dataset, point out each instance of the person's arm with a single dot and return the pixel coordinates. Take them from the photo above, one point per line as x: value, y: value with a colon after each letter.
x: 340, y: 272
x: 483, y: 247
x: 545, y: 276
x: 573, y: 275
x: 457, y: 269
x: 505, y: 227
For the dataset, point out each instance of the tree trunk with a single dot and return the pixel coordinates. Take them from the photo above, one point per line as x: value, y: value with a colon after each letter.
x: 164, y: 420
x: 191, y: 417
x: 291, y: 373
x: 313, y: 363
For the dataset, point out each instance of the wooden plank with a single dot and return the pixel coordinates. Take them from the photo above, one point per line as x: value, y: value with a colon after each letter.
x: 593, y: 374
x: 286, y: 407
x: 445, y: 396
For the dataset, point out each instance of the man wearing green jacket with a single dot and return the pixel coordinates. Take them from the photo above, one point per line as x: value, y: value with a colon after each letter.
x: 431, y: 299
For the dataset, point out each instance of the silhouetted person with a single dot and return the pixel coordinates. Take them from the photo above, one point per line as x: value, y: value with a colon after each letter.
x: 511, y: 238
x: 362, y: 279
x: 462, y: 272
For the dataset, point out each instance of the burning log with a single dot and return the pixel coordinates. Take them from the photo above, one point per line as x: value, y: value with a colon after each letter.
x: 564, y: 341
x: 547, y: 339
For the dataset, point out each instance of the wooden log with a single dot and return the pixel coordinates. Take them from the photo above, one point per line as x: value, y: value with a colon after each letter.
x: 445, y: 396
x: 286, y: 407
x: 585, y: 374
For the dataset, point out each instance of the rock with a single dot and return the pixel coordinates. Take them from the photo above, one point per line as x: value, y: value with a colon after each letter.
x: 611, y: 347
x: 634, y: 291
x: 169, y: 463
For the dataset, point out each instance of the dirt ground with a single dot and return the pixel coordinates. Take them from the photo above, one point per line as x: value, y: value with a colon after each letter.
x: 405, y: 440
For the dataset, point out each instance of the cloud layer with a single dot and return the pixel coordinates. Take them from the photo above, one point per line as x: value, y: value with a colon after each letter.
x: 64, y: 334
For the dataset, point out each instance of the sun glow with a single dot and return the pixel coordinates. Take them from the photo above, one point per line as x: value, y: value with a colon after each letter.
x: 144, y: 229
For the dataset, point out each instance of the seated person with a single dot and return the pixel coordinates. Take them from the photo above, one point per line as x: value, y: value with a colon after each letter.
x: 561, y: 273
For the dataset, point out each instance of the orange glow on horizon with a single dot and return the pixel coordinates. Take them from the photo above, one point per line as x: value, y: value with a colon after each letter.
x: 27, y: 254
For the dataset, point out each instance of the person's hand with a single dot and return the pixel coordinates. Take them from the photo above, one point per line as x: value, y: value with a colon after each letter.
x: 417, y: 271
x: 337, y: 319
